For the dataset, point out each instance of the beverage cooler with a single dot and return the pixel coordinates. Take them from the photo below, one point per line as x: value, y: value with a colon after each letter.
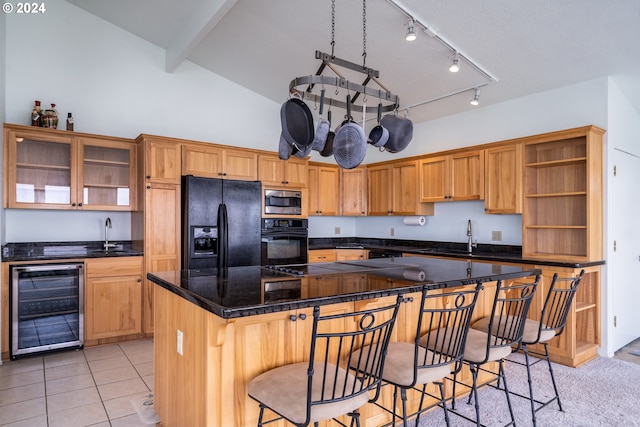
x: 46, y: 308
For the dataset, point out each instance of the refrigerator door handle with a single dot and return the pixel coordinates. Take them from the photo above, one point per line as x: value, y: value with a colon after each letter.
x: 223, y: 237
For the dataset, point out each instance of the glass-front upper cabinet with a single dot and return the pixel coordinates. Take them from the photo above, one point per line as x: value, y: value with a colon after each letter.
x: 107, y: 174
x: 52, y: 169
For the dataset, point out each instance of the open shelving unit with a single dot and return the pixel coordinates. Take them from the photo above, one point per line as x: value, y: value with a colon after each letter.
x: 563, y: 196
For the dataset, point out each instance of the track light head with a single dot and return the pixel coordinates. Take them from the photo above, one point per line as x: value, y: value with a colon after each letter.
x: 411, y: 32
x: 476, y: 97
x: 455, y: 63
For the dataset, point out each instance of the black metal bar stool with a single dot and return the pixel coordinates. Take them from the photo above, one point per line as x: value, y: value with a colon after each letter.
x: 435, y: 352
x: 325, y: 387
x: 551, y: 324
x: 506, y: 322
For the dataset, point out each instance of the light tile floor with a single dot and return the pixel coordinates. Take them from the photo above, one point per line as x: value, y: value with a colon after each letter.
x: 90, y: 387
x: 94, y: 386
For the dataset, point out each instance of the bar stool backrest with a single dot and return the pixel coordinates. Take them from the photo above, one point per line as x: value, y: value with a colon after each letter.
x: 509, y: 313
x: 331, y: 355
x: 443, y: 326
x: 557, y: 303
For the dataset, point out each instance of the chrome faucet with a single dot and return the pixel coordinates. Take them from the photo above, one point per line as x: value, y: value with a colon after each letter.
x: 107, y: 226
x: 470, y: 243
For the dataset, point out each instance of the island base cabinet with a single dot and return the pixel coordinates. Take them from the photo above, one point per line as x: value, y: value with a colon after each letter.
x: 206, y: 385
x: 580, y: 340
x: 204, y: 382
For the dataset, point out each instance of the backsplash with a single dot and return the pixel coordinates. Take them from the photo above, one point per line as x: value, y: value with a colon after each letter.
x: 449, y: 224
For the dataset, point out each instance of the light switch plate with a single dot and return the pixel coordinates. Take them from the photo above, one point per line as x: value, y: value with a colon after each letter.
x: 336, y: 230
x: 496, y: 236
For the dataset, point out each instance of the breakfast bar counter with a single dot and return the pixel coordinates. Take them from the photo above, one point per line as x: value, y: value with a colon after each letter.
x: 215, y: 331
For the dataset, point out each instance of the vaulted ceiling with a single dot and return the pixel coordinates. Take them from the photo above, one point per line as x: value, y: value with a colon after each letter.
x: 508, y: 48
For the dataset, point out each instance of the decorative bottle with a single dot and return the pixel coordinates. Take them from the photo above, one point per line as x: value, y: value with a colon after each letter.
x: 69, y: 121
x: 36, y: 115
x: 50, y: 117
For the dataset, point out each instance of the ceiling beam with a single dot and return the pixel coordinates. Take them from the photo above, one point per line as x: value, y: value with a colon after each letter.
x: 205, y: 17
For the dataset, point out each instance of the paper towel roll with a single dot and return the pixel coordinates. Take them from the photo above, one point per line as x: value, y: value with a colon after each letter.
x: 414, y: 274
x: 414, y: 220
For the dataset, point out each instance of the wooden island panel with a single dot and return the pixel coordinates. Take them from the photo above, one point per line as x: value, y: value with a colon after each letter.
x: 206, y: 385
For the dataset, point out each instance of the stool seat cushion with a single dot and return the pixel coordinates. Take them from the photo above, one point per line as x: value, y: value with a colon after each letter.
x: 476, y: 348
x: 284, y: 390
x: 530, y: 334
x: 399, y: 365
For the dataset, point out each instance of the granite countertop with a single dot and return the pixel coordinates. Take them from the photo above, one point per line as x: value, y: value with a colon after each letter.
x: 47, y: 251
x: 484, y: 252
x: 254, y: 290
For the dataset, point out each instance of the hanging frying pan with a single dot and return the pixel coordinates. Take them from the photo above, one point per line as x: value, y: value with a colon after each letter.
x: 350, y: 142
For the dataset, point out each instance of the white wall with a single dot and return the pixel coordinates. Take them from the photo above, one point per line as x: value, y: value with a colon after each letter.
x: 623, y: 134
x: 31, y: 225
x: 114, y: 83
x: 449, y: 224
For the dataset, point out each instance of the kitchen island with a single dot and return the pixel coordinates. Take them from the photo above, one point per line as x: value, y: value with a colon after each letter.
x: 215, y: 331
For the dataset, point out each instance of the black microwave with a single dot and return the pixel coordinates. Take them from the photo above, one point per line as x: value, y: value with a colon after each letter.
x: 282, y: 202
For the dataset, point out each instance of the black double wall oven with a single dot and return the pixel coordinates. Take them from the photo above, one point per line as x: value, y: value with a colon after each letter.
x: 284, y: 241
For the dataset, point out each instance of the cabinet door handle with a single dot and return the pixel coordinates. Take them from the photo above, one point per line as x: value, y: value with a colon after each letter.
x: 139, y: 280
x: 302, y: 316
x: 148, y: 176
x: 293, y: 317
x: 79, y: 204
x: 73, y: 204
x: 148, y: 187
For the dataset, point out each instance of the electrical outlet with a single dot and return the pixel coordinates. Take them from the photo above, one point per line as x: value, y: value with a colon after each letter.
x: 179, y: 340
x: 392, y: 232
x: 496, y: 236
x: 336, y: 230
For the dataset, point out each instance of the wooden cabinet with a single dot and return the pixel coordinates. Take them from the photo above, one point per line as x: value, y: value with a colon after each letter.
x: 457, y: 176
x: 273, y: 171
x: 353, y: 191
x: 322, y: 255
x: 582, y: 335
x: 393, y: 189
x: 157, y: 228
x: 211, y: 161
x: 323, y: 189
x: 562, y: 217
x: 112, y: 298
x: 52, y: 169
x: 350, y: 254
x: 503, y: 179
x: 161, y: 159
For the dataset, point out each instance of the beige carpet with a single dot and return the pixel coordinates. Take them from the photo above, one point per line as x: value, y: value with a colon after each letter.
x: 603, y: 392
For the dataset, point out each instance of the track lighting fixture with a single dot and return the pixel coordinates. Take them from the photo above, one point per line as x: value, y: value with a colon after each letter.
x: 411, y: 32
x: 455, y: 63
x: 476, y: 97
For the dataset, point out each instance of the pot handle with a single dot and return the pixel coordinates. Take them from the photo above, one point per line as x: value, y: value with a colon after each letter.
x: 321, y: 101
x: 379, y: 112
x: 349, y: 108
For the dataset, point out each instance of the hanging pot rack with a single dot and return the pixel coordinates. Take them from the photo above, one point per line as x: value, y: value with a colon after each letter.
x: 389, y: 101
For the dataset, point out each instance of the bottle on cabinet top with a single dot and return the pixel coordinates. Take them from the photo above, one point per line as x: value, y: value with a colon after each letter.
x: 69, y: 121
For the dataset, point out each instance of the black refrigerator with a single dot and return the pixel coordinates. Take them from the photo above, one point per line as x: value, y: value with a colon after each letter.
x: 221, y: 223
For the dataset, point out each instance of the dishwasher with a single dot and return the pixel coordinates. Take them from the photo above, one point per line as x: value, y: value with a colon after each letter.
x: 47, y: 308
